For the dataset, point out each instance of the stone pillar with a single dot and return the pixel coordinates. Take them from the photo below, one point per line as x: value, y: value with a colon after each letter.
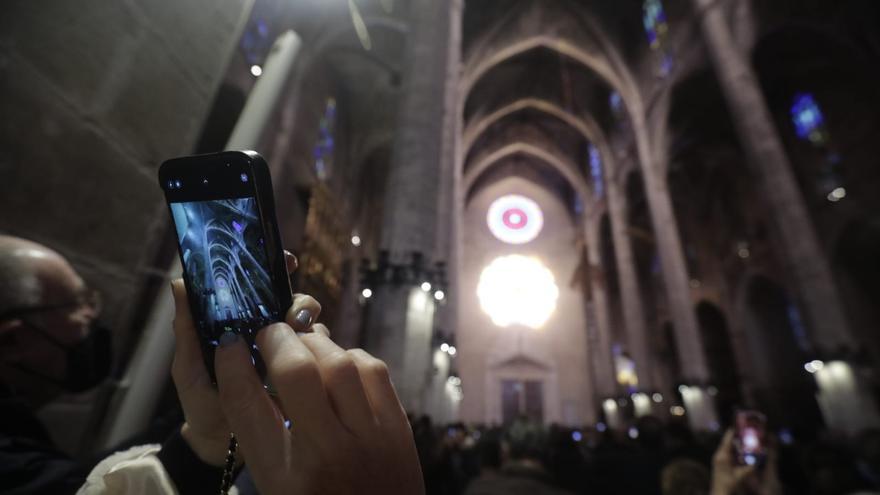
x: 400, y: 319
x: 633, y: 308
x: 603, y: 365
x: 805, y: 260
x: 672, y: 261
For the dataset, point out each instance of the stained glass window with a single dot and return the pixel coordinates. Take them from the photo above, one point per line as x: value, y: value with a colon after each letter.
x: 326, y: 144
x: 656, y: 29
x: 515, y: 219
x: 596, y: 171
x: 809, y: 123
x: 656, y: 26
x: 255, y: 41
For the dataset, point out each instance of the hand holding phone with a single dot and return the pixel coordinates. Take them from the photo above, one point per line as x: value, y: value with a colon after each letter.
x: 230, y: 248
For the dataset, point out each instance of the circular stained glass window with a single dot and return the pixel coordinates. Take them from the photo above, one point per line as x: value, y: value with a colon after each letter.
x: 515, y: 219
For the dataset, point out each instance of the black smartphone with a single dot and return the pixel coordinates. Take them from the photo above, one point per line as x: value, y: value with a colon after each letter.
x: 750, y: 438
x: 230, y: 248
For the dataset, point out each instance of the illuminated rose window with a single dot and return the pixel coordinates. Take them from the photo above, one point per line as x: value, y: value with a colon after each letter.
x: 517, y: 290
x: 515, y: 219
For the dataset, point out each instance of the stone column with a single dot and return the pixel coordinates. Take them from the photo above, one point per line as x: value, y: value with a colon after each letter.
x: 400, y: 317
x: 806, y: 262
x: 672, y: 261
x: 603, y: 366
x: 633, y: 307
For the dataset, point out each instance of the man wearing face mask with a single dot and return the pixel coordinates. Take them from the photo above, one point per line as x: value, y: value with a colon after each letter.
x: 48, y: 347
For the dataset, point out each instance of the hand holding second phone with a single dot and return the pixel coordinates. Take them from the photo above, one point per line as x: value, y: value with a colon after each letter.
x: 349, y: 433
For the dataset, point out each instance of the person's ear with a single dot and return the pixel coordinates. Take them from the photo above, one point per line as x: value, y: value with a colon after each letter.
x: 7, y: 329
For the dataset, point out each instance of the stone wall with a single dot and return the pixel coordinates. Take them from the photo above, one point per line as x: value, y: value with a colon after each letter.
x: 94, y: 95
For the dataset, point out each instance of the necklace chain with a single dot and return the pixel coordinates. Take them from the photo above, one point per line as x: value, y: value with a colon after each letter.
x: 229, y: 467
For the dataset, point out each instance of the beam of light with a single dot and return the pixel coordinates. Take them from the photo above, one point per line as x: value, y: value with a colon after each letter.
x: 360, y: 27
x: 517, y: 289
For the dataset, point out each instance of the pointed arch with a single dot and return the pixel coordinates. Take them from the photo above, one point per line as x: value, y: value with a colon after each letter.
x: 562, y: 166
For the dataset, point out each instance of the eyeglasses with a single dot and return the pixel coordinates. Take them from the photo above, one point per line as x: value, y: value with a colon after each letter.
x: 87, y: 298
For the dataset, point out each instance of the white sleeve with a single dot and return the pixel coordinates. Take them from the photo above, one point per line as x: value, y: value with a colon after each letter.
x: 136, y: 471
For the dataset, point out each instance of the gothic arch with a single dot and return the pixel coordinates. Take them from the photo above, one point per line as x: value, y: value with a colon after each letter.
x: 475, y: 70
x: 563, y: 167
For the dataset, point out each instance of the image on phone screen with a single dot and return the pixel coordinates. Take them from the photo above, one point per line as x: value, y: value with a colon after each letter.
x: 222, y: 246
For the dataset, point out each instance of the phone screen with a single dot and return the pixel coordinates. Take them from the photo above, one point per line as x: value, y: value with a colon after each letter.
x: 750, y: 433
x: 224, y: 257
x: 233, y: 263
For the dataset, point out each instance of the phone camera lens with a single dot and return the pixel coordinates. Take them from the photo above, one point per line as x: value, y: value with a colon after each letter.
x: 170, y: 184
x: 244, y: 177
x: 177, y: 184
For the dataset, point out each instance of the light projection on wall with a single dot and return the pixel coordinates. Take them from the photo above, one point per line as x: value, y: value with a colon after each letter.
x: 517, y: 290
x: 515, y: 219
x: 326, y: 143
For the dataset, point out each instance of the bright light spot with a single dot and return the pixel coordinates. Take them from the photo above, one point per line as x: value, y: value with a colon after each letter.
x: 439, y: 295
x: 814, y: 366
x: 676, y: 410
x: 515, y: 219
x: 452, y: 350
x: 633, y: 432
x: 256, y: 70
x: 576, y: 436
x: 682, y: 388
x: 454, y: 381
x: 426, y: 286
x: 600, y: 427
x: 839, y: 193
x: 355, y: 240
x: 658, y: 398
x: 744, y: 252
x: 517, y: 290
x: 367, y: 293
x: 444, y: 347
x: 610, y: 405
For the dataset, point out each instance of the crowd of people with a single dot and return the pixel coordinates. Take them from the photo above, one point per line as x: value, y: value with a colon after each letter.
x: 652, y: 457
x: 349, y: 432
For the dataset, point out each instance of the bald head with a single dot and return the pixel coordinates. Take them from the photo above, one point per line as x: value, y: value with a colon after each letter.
x: 31, y: 272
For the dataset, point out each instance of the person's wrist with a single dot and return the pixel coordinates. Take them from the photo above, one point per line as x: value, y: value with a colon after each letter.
x: 211, y: 449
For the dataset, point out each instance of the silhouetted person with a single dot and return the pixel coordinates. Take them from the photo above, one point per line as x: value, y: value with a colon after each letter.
x: 522, y: 471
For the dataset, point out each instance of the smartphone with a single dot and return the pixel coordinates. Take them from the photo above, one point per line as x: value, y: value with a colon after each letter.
x: 750, y: 440
x: 234, y: 269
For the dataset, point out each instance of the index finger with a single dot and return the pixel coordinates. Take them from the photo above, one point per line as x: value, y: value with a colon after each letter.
x: 249, y: 410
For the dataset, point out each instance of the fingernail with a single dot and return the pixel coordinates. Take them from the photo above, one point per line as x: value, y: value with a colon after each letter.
x: 304, y: 318
x: 228, y: 338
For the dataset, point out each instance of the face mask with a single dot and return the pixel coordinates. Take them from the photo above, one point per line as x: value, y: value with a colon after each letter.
x: 88, y: 361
